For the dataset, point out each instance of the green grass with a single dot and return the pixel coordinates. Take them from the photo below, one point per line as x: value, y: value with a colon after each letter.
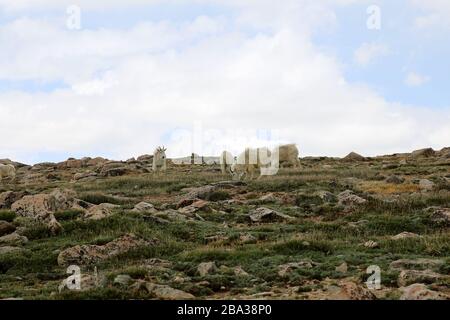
x: 321, y: 232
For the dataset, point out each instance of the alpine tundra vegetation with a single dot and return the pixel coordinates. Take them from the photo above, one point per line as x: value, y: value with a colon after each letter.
x: 312, y: 231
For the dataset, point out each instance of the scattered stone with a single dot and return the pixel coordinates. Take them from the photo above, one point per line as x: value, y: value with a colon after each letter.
x: 345, y: 290
x: 165, y: 292
x: 145, y: 158
x: 246, y: 238
x: 285, y: 269
x: 6, y: 228
x: 9, y: 249
x: 420, y: 291
x: 87, y: 282
x: 206, y: 268
x: 91, y: 254
x: 13, y: 239
x: 239, y: 272
x: 426, y: 185
x: 100, y: 211
x: 144, y: 207
x: 41, y: 207
x: 343, y: 268
x: 157, y: 263
x: 268, y: 198
x: 200, y: 192
x: 326, y: 196
x: 405, y: 235
x: 349, y: 199
x: 423, y: 153
x: 9, y: 197
x: 371, y: 244
x: 395, y: 180
x: 408, y: 277
x: 416, y: 264
x: 196, y: 206
x: 113, y: 169
x: 123, y: 280
x: 441, y: 216
x: 85, y: 176
x: 265, y: 215
x: 353, y: 156
x: 185, y: 202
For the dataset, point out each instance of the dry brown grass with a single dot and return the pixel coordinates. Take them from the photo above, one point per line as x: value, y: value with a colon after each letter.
x: 380, y: 187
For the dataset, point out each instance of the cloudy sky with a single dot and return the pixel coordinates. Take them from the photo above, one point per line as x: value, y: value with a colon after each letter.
x: 208, y: 75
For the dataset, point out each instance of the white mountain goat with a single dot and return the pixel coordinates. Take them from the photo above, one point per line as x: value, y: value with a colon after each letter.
x: 160, y: 159
x: 226, y: 161
x: 7, y: 171
x: 251, y: 160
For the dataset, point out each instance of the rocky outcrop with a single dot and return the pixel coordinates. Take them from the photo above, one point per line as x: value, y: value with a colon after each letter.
x: 353, y: 156
x: 9, y: 197
x: 419, y: 291
x: 405, y: 235
x: 206, y: 268
x: 91, y: 254
x: 85, y: 176
x: 349, y: 199
x: 144, y: 207
x: 423, y: 153
x: 285, y: 269
x: 265, y: 215
x: 402, y: 264
x: 162, y: 292
x: 408, y: 277
x: 13, y: 239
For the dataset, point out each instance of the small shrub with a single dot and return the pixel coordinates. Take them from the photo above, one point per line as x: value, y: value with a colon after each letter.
x: 7, y: 215
x: 218, y: 196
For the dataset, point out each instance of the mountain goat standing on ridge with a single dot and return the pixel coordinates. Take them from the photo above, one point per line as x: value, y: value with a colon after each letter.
x: 160, y: 159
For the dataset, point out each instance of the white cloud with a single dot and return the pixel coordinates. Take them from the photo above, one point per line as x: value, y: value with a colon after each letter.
x: 436, y: 13
x: 368, y: 52
x: 414, y: 79
x: 130, y: 90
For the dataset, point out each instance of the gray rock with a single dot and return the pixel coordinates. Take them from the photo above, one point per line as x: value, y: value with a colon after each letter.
x: 9, y: 197
x: 123, y: 280
x: 165, y: 292
x: 144, y: 207
x: 13, y: 239
x: 402, y: 264
x: 285, y: 269
x: 326, y: 196
x: 395, y: 180
x: 405, y: 235
x: 353, y: 156
x: 426, y: 185
x: 343, y: 268
x: 349, y: 199
x: 408, y: 277
x: 206, y: 268
x: 420, y: 292
x: 91, y: 254
x: 423, y: 153
x: 265, y: 215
